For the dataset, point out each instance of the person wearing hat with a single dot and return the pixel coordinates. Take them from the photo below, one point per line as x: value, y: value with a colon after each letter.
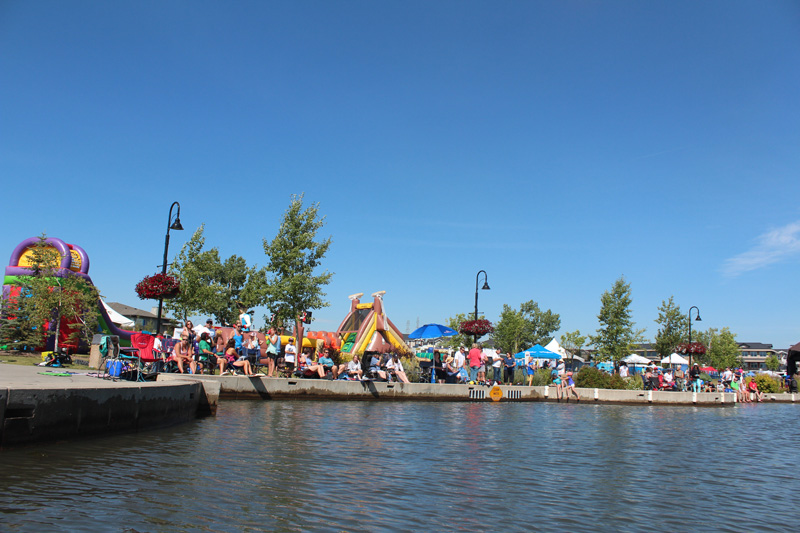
x: 561, y: 368
x: 450, y: 369
x: 210, y: 326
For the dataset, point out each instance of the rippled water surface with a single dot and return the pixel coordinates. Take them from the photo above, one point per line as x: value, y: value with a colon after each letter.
x: 370, y: 466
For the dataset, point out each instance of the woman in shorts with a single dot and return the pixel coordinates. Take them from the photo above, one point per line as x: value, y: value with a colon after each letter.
x: 570, y: 387
x: 557, y: 383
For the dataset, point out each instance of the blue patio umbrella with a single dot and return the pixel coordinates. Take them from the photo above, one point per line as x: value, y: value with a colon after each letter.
x: 432, y: 331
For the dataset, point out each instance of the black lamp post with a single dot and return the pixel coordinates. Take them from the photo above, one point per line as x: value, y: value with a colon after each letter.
x: 485, y: 288
x: 690, y: 330
x: 176, y: 225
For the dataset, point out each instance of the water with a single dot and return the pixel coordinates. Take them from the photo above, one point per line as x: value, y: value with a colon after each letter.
x: 373, y: 466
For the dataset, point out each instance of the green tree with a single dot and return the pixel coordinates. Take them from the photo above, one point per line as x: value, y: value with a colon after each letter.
x: 616, y: 337
x: 773, y: 363
x: 722, y: 350
x: 49, y: 295
x: 293, y: 284
x: 212, y: 286
x: 458, y: 340
x: 521, y: 328
x: 672, y: 330
x: 572, y: 342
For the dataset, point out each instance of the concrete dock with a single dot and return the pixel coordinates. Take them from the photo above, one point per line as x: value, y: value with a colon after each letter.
x: 38, y: 405
x: 239, y: 387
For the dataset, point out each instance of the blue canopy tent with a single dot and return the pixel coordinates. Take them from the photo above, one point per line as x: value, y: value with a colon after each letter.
x: 536, y: 352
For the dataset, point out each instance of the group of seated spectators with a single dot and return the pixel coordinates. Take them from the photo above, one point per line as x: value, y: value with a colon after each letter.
x: 242, y: 353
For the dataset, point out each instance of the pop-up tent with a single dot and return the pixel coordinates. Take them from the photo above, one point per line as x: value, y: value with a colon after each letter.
x: 636, y: 359
x: 537, y: 352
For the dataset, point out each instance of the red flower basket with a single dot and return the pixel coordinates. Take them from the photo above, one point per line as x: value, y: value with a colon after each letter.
x: 158, y: 287
x: 479, y: 328
x: 694, y: 348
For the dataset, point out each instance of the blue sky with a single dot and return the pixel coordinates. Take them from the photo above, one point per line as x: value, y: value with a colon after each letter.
x: 556, y: 145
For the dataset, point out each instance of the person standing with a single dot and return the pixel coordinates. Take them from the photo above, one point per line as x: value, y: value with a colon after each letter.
x: 530, y: 368
x: 694, y: 378
x: 474, y: 357
x: 460, y: 359
x: 497, y: 367
x: 244, y: 319
x: 509, y: 364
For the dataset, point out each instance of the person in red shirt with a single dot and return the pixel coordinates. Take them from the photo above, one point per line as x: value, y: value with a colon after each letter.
x: 474, y: 358
x: 752, y: 386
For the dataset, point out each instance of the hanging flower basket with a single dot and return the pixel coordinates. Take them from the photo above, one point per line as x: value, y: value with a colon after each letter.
x: 694, y: 348
x: 479, y: 328
x: 158, y: 287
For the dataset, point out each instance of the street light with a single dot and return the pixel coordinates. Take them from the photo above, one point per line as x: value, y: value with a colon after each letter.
x: 698, y: 319
x: 485, y: 288
x: 176, y: 225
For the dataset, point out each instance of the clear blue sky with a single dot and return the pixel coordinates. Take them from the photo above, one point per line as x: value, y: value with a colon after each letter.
x: 558, y: 145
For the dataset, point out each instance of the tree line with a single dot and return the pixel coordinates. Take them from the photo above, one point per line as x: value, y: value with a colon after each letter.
x: 617, y: 335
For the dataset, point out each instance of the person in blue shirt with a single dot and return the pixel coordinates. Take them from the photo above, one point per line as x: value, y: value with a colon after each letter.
x: 238, y: 339
x: 509, y: 365
x: 328, y: 364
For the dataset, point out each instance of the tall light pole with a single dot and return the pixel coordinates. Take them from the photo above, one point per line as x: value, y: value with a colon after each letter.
x: 176, y: 225
x: 690, y: 330
x: 485, y: 288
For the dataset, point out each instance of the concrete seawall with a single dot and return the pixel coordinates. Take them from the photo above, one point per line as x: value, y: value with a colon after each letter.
x: 38, y: 407
x: 237, y: 387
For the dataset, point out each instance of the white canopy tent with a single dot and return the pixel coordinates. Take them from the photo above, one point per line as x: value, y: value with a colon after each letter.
x: 554, y: 346
x: 636, y: 359
x: 118, y: 319
x: 675, y: 359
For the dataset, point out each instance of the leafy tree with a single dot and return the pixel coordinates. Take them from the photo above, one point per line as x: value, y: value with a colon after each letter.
x: 292, y: 285
x: 773, y: 363
x: 458, y: 340
x: 616, y: 337
x: 572, y: 342
x: 673, y: 327
x: 722, y: 350
x: 49, y: 295
x: 212, y: 286
x: 522, y: 328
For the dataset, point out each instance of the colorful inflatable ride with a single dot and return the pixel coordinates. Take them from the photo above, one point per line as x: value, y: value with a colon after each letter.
x: 73, y: 260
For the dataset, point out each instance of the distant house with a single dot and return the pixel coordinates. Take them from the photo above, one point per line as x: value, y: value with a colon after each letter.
x: 143, y: 320
x: 754, y: 354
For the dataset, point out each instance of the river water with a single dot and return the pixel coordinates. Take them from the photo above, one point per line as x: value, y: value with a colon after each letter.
x: 386, y: 466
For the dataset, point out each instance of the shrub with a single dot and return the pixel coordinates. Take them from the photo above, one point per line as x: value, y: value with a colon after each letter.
x: 542, y: 377
x: 634, y: 383
x: 591, y: 378
x: 767, y: 383
x: 616, y: 382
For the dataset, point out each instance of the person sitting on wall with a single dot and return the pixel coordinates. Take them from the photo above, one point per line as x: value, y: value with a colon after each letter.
x: 398, y: 372
x: 351, y: 370
x: 374, y: 366
x: 752, y: 388
x: 328, y: 365
x: 308, y: 368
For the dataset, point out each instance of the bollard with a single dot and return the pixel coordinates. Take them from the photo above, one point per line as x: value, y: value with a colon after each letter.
x: 546, y: 391
x: 596, y: 394
x: 694, y: 397
x: 650, y: 396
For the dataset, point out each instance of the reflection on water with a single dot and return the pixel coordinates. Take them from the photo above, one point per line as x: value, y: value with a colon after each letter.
x: 366, y: 466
